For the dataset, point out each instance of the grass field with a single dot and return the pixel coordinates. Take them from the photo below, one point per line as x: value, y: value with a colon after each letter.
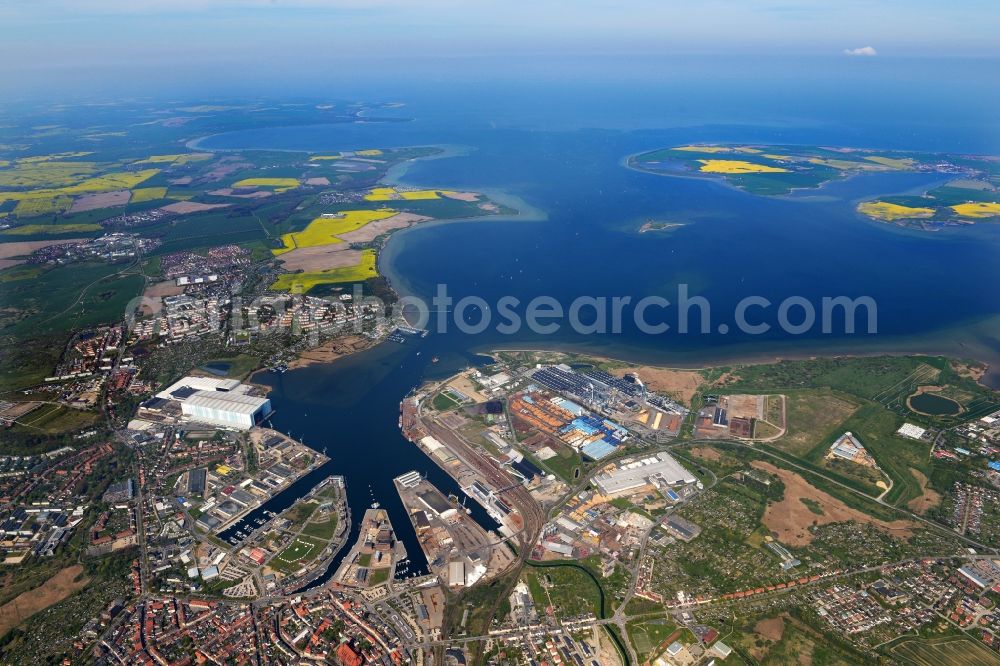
x: 302, y: 549
x: 443, y: 402
x: 55, y: 419
x: 52, y: 591
x: 378, y: 576
x: 813, y: 416
x: 300, y: 283
x: 646, y: 637
x: 238, y: 366
x: 570, y: 590
x: 953, y: 651
x: 321, y: 530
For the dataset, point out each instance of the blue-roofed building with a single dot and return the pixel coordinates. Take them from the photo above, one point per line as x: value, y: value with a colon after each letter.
x: 995, y: 466
x: 569, y: 406
x: 598, y: 450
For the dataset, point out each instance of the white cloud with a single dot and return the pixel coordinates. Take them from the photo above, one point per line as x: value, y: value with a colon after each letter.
x: 862, y: 51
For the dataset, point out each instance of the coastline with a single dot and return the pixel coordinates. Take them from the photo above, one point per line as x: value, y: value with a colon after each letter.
x: 931, y: 345
x: 989, y: 379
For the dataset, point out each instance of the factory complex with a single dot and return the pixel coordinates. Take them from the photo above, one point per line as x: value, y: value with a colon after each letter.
x: 660, y: 470
x: 224, y: 403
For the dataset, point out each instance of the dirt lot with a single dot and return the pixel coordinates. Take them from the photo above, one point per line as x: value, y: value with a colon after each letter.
x: 790, y: 518
x: 928, y: 500
x: 746, y: 406
x: 970, y: 371
x: 331, y: 351
x: 679, y: 384
x: 465, y: 385
x: 379, y: 227
x: 773, y: 628
x: 321, y: 257
x: 184, y: 207
x: 462, y: 196
x: 321, y: 180
x: 155, y: 292
x: 24, y: 248
x: 228, y: 192
x: 100, y: 200
x: 50, y: 592
x: 707, y: 452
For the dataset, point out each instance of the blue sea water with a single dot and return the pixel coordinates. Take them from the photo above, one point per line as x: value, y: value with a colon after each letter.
x: 559, y: 148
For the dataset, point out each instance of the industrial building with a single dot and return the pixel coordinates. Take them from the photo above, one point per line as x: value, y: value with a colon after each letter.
x: 220, y: 402
x: 196, y: 481
x: 233, y: 410
x: 850, y: 448
x: 656, y: 470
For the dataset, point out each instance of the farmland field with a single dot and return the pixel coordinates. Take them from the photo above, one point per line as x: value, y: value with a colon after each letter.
x: 945, y: 652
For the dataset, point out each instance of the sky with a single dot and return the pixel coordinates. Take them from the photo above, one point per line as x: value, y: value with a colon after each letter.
x: 50, y: 44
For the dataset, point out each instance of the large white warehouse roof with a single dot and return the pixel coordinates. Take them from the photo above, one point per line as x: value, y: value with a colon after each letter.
x: 638, y: 473
x: 237, y: 403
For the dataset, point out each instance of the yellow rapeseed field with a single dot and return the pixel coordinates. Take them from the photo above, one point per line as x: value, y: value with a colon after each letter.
x: 148, y: 194
x: 54, y: 156
x: 279, y: 184
x: 324, y: 230
x: 737, y: 166
x: 380, y: 194
x: 389, y: 193
x: 905, y: 163
x: 46, y: 174
x: 319, y: 158
x: 977, y: 209
x: 371, y: 152
x: 417, y: 195
x: 180, y: 158
x: 50, y: 229
x: 883, y: 210
x: 58, y: 199
x: 300, y: 283
x: 704, y: 149
x: 48, y: 205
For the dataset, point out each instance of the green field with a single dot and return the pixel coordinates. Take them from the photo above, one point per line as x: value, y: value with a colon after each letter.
x: 945, y: 652
x: 302, y: 549
x: 443, y: 402
x: 814, y: 415
x: 321, y: 530
x: 648, y: 636
x: 378, y: 576
x: 571, y: 591
x: 53, y: 419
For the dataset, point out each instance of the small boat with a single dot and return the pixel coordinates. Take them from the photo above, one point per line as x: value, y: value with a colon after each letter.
x: 435, y: 359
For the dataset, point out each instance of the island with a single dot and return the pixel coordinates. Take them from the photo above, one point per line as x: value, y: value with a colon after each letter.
x: 968, y: 195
